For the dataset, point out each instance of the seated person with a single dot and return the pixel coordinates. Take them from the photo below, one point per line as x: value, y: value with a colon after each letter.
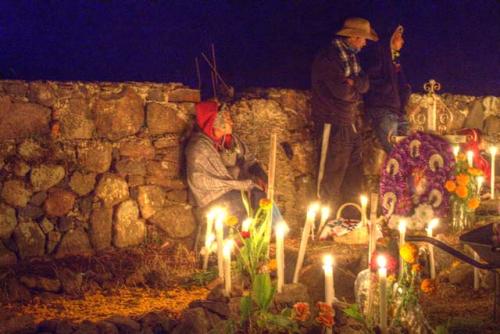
x: 220, y: 165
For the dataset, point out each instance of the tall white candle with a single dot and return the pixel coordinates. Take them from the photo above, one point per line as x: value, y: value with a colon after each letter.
x: 456, y: 149
x: 208, y: 249
x: 402, y: 234
x: 310, y: 218
x: 210, y: 222
x: 245, y: 225
x: 470, y: 158
x: 476, y: 273
x: 270, y: 180
x: 228, y: 248
x: 480, y: 181
x: 493, y: 152
x: 364, y: 203
x: 432, y: 224
x: 219, y: 235
x: 281, y: 229
x: 382, y: 282
x: 372, y: 230
x: 325, y: 214
x: 329, y: 284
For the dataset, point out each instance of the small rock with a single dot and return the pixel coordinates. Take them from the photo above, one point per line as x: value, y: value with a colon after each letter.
x: 59, y: 202
x: 87, y: 327
x: 82, y: 183
x: 176, y: 220
x: 21, y: 168
x: 8, y: 221
x: 53, y: 238
x: 131, y: 167
x: 74, y: 242
x: 292, y: 293
x: 137, y: 149
x: 30, y: 240
x: 461, y: 275
x: 31, y: 150
x: 125, y: 325
x: 162, y: 119
x: 71, y: 282
x: 184, y: 95
x: 158, y: 322
x: 179, y: 196
x: 101, y: 223
x: 46, y: 225
x: 39, y: 198
x: 193, y: 321
x: 129, y: 230
x: 95, y: 156
x: 16, y: 193
x: 218, y: 307
x: 150, y: 199
x: 30, y: 212
x: 112, y: 190
x: 44, y: 177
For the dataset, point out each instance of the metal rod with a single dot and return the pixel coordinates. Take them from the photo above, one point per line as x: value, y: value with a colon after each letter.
x: 450, y: 250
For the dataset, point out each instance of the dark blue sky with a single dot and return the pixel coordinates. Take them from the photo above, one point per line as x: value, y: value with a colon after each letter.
x: 258, y: 43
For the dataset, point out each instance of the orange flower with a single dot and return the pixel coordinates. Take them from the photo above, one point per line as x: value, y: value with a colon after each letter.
x: 450, y: 185
x: 265, y: 203
x: 409, y: 252
x: 301, y: 311
x: 461, y: 156
x: 325, y: 316
x: 473, y: 203
x: 416, y: 268
x: 462, y: 191
x: 462, y: 179
x: 428, y: 285
x: 232, y: 221
x: 475, y: 171
x: 272, y: 265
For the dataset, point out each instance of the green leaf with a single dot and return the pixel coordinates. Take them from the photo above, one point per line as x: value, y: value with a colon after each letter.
x: 245, y: 307
x: 262, y: 291
x: 354, y: 312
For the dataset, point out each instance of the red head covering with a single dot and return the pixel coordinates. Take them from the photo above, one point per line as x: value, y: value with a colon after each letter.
x: 206, y: 113
x: 472, y: 144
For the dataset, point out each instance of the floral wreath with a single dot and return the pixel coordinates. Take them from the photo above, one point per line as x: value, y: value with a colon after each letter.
x: 413, y: 178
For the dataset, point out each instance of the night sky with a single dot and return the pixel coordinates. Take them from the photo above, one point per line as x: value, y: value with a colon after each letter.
x: 258, y: 43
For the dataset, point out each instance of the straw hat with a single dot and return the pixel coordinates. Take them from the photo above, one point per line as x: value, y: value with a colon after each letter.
x: 358, y: 27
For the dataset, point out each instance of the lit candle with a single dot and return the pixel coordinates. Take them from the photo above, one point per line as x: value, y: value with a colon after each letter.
x: 402, y: 233
x: 470, y: 158
x: 382, y: 283
x: 325, y: 213
x: 208, y: 249
x: 281, y: 229
x: 228, y: 248
x: 493, y: 152
x: 432, y: 224
x: 329, y: 285
x: 364, y: 203
x: 456, y: 149
x: 310, y: 218
x: 210, y: 222
x: 480, y: 181
x: 245, y: 226
x: 219, y: 235
x: 372, y: 229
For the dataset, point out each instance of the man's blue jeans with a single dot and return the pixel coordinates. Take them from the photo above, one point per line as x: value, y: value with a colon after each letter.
x: 387, y: 124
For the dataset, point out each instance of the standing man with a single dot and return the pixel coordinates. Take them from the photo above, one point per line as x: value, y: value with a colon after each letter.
x: 389, y: 91
x: 337, y: 87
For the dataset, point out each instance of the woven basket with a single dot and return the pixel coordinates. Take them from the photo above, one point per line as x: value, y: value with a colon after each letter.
x: 357, y: 236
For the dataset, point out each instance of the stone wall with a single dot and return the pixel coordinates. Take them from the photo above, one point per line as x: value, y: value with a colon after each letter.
x: 85, y: 167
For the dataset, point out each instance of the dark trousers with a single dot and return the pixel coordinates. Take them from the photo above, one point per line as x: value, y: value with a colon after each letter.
x: 343, y: 177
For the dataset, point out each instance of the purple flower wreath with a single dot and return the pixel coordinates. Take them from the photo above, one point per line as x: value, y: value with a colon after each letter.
x: 414, y: 173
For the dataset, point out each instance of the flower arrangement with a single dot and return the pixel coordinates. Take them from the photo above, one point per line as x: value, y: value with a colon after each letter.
x: 464, y: 194
x: 413, y: 178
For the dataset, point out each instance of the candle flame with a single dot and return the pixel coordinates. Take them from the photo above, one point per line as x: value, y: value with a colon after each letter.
x: 281, y: 229
x: 364, y: 200
x: 402, y: 225
x: 228, y: 247
x: 456, y: 149
x: 312, y: 210
x: 381, y: 261
x: 328, y: 260
x: 325, y: 213
x: 493, y: 150
x: 245, y: 226
x: 214, y: 212
x: 480, y: 181
x: 433, y: 223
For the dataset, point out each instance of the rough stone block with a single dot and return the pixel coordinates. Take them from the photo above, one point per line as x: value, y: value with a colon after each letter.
x: 137, y: 149
x: 101, y: 224
x: 163, y: 119
x: 129, y: 230
x: 59, y: 202
x: 112, y: 190
x: 82, y: 183
x: 75, y: 119
x: 8, y: 221
x: 30, y: 240
x: 150, y: 199
x: 176, y: 220
x: 22, y: 120
x: 184, y: 95
x: 46, y: 176
x: 95, y: 156
x: 74, y: 242
x: 16, y: 193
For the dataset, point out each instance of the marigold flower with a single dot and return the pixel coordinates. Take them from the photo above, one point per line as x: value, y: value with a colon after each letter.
x: 265, y: 203
x: 462, y: 191
x: 232, y: 221
x: 428, y: 285
x: 474, y: 171
x: 409, y: 252
x: 325, y: 315
x: 450, y: 185
x: 301, y: 311
x: 462, y: 179
x: 272, y: 265
x: 417, y: 267
x: 473, y: 203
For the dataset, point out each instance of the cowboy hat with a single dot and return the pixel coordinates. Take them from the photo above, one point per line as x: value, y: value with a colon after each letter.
x: 358, y: 27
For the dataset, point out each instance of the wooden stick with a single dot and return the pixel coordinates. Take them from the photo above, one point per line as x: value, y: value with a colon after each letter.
x: 198, y: 74
x: 214, y: 62
x: 216, y: 73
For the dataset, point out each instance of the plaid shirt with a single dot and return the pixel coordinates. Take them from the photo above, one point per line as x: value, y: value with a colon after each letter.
x: 208, y: 176
x: 348, y: 58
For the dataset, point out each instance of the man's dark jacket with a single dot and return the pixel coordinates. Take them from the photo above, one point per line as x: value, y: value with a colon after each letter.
x: 333, y: 99
x: 389, y: 89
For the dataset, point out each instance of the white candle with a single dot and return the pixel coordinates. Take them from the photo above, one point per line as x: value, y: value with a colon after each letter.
x: 270, y: 185
x: 245, y: 226
x: 456, y: 149
x: 476, y: 273
x: 382, y: 282
x: 219, y: 235
x: 480, y: 181
x: 372, y: 231
x: 364, y: 203
x: 493, y: 152
x: 228, y: 248
x: 325, y: 214
x: 208, y: 249
x: 432, y: 224
x: 281, y: 229
x: 210, y: 222
x: 402, y: 234
x: 470, y: 158
x: 310, y: 218
x: 329, y: 285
